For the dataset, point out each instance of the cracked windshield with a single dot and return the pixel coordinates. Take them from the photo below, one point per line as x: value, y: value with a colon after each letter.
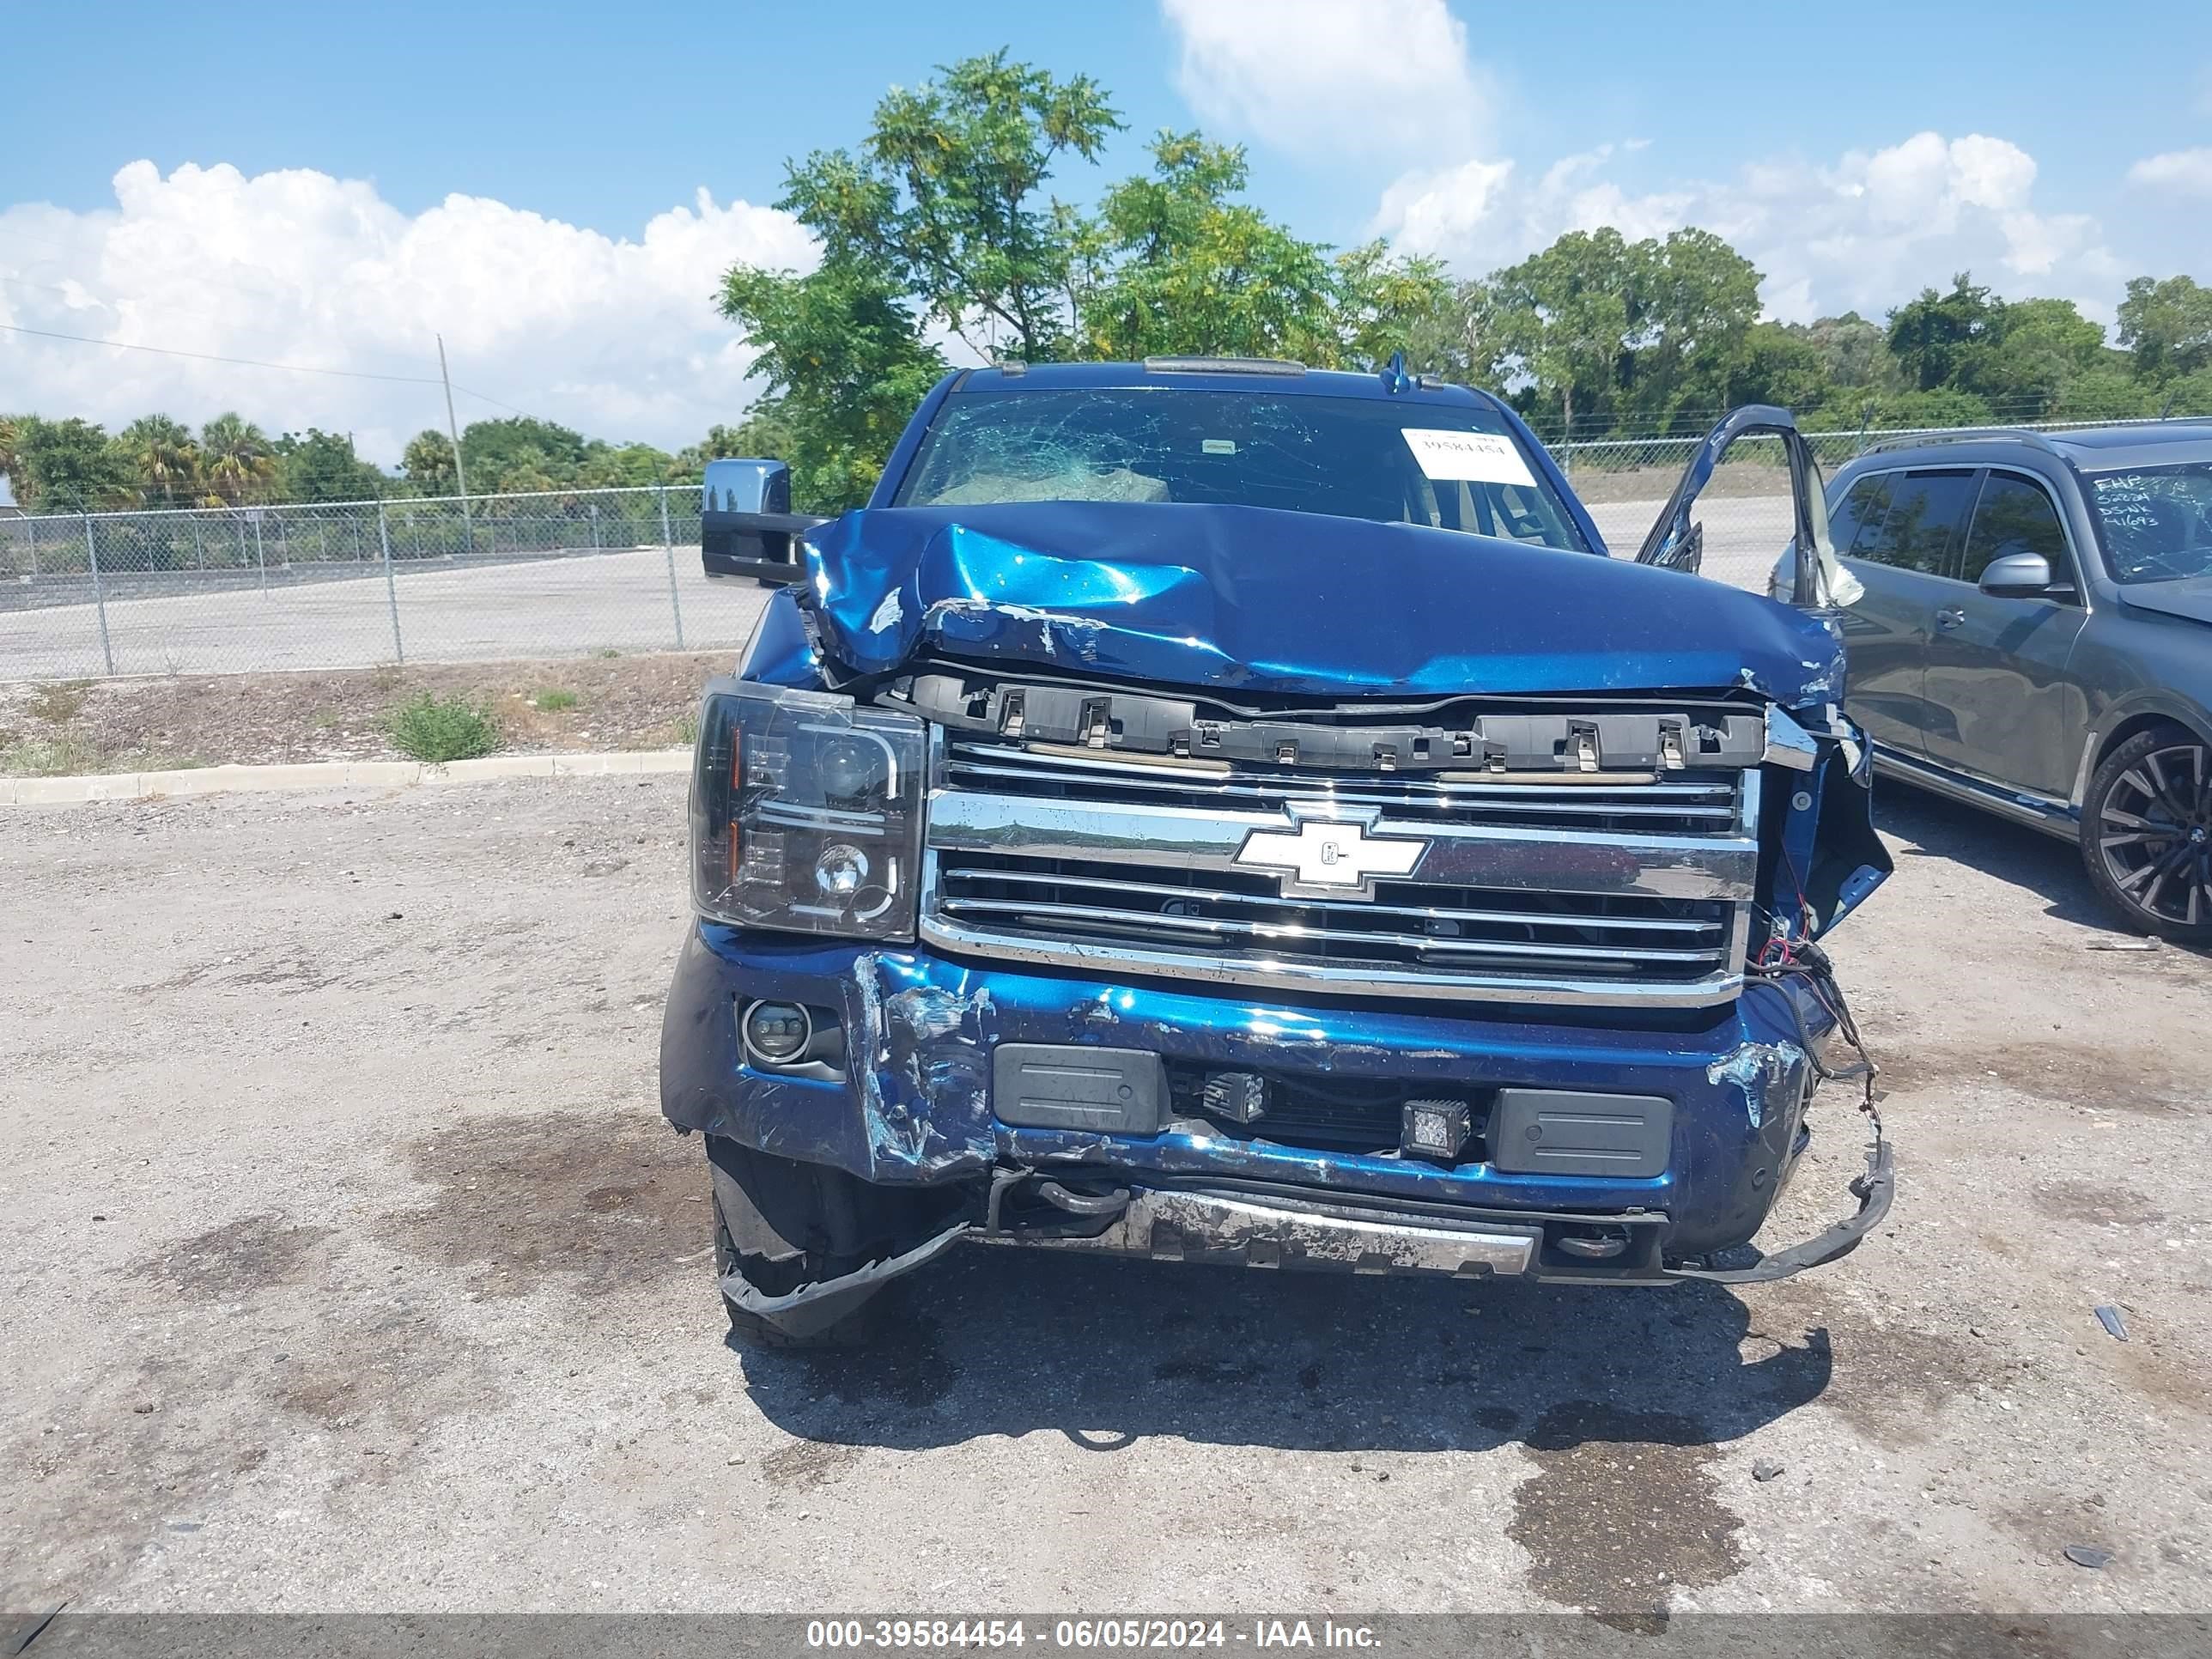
x: 1352, y: 457
x: 2157, y: 521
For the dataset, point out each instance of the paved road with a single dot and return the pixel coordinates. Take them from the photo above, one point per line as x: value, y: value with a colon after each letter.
x: 554, y: 607
x: 348, y: 1266
x: 543, y: 608
x: 1744, y: 534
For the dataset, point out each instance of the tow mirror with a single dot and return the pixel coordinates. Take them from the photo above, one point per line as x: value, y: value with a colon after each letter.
x: 1677, y: 543
x: 746, y: 527
x: 2017, y: 576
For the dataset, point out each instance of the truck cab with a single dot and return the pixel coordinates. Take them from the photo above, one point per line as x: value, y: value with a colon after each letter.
x: 1227, y: 812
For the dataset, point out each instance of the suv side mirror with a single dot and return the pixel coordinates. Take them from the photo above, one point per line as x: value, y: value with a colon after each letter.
x: 2017, y: 576
x: 746, y: 527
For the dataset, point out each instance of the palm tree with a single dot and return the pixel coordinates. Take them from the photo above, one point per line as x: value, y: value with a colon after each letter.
x: 236, y: 457
x: 162, y: 453
x: 11, y: 438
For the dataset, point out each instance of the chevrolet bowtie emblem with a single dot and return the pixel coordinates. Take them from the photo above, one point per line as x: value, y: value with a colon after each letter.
x: 1317, y: 856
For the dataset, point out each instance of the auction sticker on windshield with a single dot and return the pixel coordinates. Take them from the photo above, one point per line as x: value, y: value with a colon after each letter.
x: 1468, y: 457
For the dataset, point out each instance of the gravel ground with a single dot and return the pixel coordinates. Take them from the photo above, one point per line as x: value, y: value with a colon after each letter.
x: 349, y: 1266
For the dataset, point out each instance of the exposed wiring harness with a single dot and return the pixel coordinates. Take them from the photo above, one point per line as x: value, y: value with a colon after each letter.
x: 1784, y: 959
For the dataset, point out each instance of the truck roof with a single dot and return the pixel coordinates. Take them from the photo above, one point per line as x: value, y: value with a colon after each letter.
x: 1252, y: 375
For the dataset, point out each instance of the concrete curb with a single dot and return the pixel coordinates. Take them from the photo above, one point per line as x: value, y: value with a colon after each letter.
x: 333, y: 774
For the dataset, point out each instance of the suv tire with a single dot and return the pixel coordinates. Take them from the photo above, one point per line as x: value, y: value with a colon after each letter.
x: 2146, y: 834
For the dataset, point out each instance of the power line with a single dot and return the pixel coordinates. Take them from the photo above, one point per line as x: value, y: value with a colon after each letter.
x: 76, y: 293
x: 243, y: 362
x: 255, y: 363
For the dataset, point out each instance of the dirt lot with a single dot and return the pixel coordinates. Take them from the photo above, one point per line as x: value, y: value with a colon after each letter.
x: 562, y: 706
x: 349, y: 1266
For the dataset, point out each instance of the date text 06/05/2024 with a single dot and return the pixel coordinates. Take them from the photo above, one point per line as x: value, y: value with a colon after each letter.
x: 1130, y: 1633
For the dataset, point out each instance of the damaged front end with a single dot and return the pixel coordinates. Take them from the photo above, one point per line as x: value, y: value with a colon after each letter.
x: 1059, y: 882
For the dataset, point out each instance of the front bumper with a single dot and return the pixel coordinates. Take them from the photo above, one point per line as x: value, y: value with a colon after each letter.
x: 912, y: 1105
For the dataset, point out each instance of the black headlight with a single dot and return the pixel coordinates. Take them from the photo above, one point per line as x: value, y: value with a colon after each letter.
x: 805, y: 813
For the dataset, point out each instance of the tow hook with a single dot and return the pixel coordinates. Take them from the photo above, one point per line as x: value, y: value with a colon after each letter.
x: 1086, y: 1204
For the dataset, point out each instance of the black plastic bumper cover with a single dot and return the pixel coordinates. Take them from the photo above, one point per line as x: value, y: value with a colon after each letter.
x: 1873, y: 1190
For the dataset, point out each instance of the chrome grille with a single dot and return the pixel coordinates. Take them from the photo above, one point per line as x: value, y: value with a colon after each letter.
x: 1597, y: 889
x: 1685, y: 803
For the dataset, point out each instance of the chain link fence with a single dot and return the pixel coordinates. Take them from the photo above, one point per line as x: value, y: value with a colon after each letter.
x: 358, y: 584
x: 577, y: 573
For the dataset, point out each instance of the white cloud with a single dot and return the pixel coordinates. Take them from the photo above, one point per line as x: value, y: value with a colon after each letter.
x: 1860, y: 232
x: 2183, y: 171
x: 1332, y: 78
x: 614, y: 337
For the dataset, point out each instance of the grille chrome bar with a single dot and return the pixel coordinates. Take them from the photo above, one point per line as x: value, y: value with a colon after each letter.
x: 1119, y: 961
x: 1595, y: 889
x: 1710, y: 801
x: 1336, y: 937
x: 1458, y: 854
x: 1012, y: 876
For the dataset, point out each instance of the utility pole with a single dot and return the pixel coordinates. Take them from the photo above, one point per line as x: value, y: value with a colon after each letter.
x: 454, y: 429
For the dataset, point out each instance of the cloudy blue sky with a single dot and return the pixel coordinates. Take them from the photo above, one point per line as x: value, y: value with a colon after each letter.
x: 555, y: 187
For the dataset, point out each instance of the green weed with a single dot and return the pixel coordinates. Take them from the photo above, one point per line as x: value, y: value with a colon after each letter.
x: 436, y: 730
x: 62, y: 756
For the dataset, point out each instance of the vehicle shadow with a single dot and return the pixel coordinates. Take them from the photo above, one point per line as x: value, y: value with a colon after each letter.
x: 1937, y: 827
x: 1009, y: 1341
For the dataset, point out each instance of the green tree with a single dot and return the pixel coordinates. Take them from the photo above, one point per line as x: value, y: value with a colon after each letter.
x: 1692, y: 300
x: 162, y: 454
x: 2105, y: 394
x: 427, y: 463
x: 1559, y: 320
x: 12, y: 428
x: 762, y: 433
x: 1853, y: 351
x: 1444, y: 339
x: 2038, y: 347
x: 68, y: 466
x: 1943, y: 406
x: 1172, y: 263
x: 1383, y: 301
x: 2190, y: 395
x: 627, y: 466
x: 520, y: 453
x: 1775, y: 364
x: 321, y: 466
x: 844, y: 363
x: 238, y: 462
x: 2167, y: 325
x: 1937, y: 338
x: 944, y: 198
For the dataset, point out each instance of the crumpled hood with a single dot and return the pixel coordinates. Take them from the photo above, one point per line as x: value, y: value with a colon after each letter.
x: 1250, y: 598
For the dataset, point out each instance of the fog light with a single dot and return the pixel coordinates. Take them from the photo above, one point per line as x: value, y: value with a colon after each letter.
x: 777, y: 1032
x: 1240, y: 1097
x: 1436, y: 1128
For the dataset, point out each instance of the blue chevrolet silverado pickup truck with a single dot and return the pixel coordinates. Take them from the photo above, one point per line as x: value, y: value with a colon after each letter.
x: 1215, y: 811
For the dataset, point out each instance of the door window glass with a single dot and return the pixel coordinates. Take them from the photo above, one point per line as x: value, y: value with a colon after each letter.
x: 1859, y: 514
x: 1924, y: 510
x: 2014, y: 516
